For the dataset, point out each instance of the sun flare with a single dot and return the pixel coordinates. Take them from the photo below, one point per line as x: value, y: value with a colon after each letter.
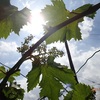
x: 36, y: 21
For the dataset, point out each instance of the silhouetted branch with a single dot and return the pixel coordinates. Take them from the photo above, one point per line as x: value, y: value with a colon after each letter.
x: 70, y: 60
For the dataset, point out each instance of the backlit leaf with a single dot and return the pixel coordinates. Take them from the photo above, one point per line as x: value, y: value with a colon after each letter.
x: 63, y: 74
x: 12, y: 20
x: 12, y: 77
x: 57, y: 13
x: 2, y: 72
x: 4, y: 2
x: 33, y: 78
x: 51, y: 80
x: 50, y: 86
x: 80, y: 92
x: 19, y: 19
x: 13, y: 93
x: 69, y: 96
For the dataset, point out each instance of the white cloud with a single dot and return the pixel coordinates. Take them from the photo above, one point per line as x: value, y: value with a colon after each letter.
x: 23, y: 83
x: 26, y: 67
x: 8, y: 46
x: 27, y: 64
x: 86, y: 27
x: 33, y: 94
x: 8, y: 51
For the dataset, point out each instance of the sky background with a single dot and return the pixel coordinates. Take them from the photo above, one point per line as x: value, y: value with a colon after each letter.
x: 80, y: 50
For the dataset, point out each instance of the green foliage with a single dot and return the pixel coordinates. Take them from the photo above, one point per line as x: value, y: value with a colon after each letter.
x: 41, y: 52
x: 83, y: 8
x: 50, y: 13
x: 69, y: 95
x: 51, y: 80
x: 53, y: 75
x: 50, y: 86
x: 80, y: 92
x: 60, y: 74
x: 11, y: 20
x: 49, y: 75
x: 25, y: 45
x: 5, y: 2
x: 33, y: 77
x: 12, y: 77
x: 13, y: 93
x: 19, y: 19
x: 3, y: 74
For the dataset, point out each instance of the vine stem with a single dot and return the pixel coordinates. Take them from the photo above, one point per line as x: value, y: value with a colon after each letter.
x: 70, y: 60
x: 51, y: 30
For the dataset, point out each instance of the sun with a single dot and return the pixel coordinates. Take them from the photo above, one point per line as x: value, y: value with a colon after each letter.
x: 36, y: 21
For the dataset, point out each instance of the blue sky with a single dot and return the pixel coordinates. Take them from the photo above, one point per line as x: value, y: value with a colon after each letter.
x: 80, y: 50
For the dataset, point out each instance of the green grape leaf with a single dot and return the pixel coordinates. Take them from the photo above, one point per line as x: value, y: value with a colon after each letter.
x: 50, y: 14
x: 2, y: 72
x: 50, y: 85
x: 84, y: 8
x: 12, y: 77
x: 57, y: 13
x: 13, y: 93
x: 33, y: 77
x: 52, y: 77
x: 12, y: 20
x: 60, y: 74
x: 51, y: 80
x: 16, y: 74
x: 5, y: 2
x: 80, y: 92
x: 69, y: 95
x: 50, y: 60
x: 19, y: 19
